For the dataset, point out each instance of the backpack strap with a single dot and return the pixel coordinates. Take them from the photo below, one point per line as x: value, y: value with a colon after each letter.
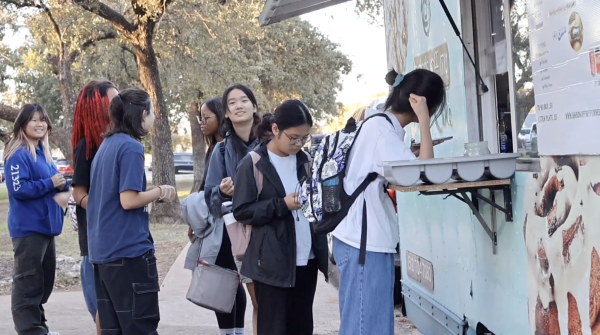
x: 380, y: 115
x: 258, y: 176
x: 308, y: 165
x: 363, y: 233
x: 221, y: 146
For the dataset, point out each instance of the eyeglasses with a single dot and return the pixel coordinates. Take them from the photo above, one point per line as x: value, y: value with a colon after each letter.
x: 298, y: 140
x: 204, y: 119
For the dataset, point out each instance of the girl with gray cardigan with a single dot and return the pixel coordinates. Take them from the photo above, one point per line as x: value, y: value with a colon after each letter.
x: 241, y: 118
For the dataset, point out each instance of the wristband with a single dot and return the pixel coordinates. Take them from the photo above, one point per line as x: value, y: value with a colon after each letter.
x: 81, y: 201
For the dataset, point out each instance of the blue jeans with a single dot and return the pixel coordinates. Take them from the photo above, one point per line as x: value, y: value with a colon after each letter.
x: 89, y: 286
x: 366, y: 291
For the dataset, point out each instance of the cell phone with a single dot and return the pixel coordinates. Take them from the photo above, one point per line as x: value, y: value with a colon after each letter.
x: 435, y: 141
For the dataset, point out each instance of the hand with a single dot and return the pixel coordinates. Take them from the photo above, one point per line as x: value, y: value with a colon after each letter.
x: 419, y: 106
x: 167, y: 193
x: 59, y: 181
x: 226, y: 186
x: 191, y: 234
x: 292, y: 201
x: 62, y: 199
x: 414, y: 147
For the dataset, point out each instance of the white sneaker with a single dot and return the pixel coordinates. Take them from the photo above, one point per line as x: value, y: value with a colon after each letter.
x: 53, y: 333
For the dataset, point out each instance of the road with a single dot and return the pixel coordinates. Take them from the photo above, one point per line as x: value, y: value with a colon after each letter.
x: 178, y: 177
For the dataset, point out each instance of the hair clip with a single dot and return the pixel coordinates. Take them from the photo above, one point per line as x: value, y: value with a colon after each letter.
x: 399, y: 79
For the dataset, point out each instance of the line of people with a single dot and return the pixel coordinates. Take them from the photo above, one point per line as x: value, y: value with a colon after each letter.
x: 283, y: 257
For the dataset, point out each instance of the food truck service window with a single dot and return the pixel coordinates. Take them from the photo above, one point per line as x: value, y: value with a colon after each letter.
x: 498, y: 32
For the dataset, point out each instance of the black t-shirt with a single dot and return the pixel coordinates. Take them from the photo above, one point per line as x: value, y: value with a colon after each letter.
x: 81, y: 177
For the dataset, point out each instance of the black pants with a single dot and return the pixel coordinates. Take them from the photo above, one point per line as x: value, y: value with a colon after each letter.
x: 288, y: 311
x: 33, y: 280
x: 235, y: 319
x: 127, y: 294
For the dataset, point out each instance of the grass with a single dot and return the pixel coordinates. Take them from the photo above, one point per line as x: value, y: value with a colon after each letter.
x: 169, y: 240
x: 3, y: 195
x: 67, y: 243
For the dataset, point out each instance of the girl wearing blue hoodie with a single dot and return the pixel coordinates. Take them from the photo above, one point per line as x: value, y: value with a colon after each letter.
x: 35, y: 189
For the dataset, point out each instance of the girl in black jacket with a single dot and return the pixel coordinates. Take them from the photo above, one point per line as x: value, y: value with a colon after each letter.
x: 283, y: 255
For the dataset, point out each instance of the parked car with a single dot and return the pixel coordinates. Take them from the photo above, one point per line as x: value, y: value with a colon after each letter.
x: 64, y: 168
x: 1, y: 177
x: 184, y: 162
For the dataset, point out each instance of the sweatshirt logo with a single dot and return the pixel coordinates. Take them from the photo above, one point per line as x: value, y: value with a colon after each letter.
x: 14, y: 173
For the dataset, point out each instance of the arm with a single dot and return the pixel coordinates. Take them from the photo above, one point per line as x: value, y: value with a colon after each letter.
x: 82, y: 167
x: 216, y: 173
x: 80, y: 195
x: 426, y: 149
x: 18, y: 179
x: 131, y: 182
x: 381, y: 152
x: 246, y: 208
x: 133, y: 199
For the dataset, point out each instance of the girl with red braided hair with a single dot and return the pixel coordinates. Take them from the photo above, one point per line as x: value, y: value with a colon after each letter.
x: 91, y: 119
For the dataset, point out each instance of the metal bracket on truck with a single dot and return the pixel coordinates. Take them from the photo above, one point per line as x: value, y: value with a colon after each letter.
x: 460, y: 191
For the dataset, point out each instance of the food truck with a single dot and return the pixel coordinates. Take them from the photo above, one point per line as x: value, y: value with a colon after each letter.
x: 504, y: 242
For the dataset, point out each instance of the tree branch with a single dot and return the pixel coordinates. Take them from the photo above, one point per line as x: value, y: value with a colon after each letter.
x: 54, y: 25
x: 8, y: 113
x: 91, y: 42
x: 107, y: 13
x: 23, y: 3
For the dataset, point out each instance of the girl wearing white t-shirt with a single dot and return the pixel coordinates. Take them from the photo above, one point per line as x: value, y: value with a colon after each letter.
x: 283, y: 256
x: 367, y: 291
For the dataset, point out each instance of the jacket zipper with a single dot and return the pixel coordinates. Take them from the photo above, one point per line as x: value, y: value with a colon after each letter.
x: 262, y: 242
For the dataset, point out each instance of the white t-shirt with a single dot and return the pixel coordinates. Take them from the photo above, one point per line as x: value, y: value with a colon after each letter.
x: 377, y: 141
x: 286, y: 168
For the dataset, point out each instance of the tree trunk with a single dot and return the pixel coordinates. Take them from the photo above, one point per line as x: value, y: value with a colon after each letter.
x: 162, y: 148
x: 67, y: 96
x: 198, y: 148
x: 62, y: 139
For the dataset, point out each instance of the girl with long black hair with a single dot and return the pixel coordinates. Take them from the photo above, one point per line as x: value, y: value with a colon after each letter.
x: 241, y: 117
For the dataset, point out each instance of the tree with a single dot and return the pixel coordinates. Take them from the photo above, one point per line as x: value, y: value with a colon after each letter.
x: 140, y: 32
x: 525, y: 97
x: 201, y: 47
x: 67, y: 48
x: 198, y: 148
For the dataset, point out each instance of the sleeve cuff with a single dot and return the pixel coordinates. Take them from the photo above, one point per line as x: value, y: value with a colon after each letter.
x: 49, y: 184
x: 280, y: 207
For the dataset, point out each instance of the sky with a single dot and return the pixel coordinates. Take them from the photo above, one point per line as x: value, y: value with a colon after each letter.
x: 362, y: 42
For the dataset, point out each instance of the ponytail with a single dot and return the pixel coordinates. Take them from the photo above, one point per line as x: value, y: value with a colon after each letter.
x: 263, y: 129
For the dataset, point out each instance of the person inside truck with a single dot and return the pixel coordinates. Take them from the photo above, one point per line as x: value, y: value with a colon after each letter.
x: 416, y: 97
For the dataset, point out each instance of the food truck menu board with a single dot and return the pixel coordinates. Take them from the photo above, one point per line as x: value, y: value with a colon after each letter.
x: 565, y: 58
